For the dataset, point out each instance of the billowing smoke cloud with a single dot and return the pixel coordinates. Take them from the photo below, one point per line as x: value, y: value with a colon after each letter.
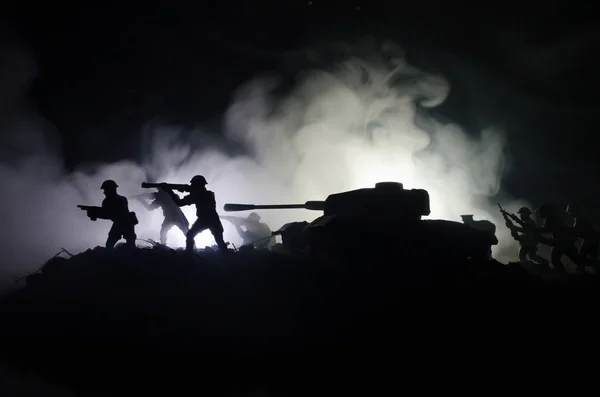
x: 339, y: 128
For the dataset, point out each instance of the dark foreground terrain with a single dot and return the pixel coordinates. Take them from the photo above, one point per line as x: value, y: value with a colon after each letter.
x: 160, y: 322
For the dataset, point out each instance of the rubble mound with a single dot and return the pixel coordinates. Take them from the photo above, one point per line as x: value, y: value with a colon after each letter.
x: 154, y: 317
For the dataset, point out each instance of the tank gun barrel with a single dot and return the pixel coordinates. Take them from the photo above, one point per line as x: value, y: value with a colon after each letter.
x: 309, y: 205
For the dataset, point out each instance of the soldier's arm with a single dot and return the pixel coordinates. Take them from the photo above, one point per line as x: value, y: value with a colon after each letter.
x: 124, y: 206
x: 213, y: 202
x: 147, y: 206
x: 243, y: 234
x: 104, y: 212
x: 512, y: 227
x: 182, y: 202
x: 517, y: 228
x: 152, y: 206
x: 544, y: 229
x: 517, y: 220
x: 544, y: 233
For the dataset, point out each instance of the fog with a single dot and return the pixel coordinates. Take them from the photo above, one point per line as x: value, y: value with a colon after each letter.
x: 344, y: 127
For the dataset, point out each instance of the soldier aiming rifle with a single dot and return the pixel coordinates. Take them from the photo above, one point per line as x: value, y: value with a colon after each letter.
x: 206, y: 210
x: 115, y: 208
x: 173, y: 216
x: 257, y: 233
x: 529, y: 238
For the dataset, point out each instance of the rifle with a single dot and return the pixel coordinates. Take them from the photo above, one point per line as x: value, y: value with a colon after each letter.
x: 510, y: 217
x: 507, y: 218
x: 170, y: 186
x: 92, y: 212
x: 97, y: 212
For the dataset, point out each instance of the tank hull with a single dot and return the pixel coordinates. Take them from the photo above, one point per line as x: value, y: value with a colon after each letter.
x: 345, y: 238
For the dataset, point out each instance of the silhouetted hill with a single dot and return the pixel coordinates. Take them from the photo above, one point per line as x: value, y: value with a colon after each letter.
x: 162, y: 321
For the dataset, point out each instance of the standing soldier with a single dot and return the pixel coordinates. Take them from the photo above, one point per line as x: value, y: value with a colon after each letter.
x: 115, y: 208
x: 590, y: 245
x: 563, y: 237
x: 171, y: 211
x: 206, y: 211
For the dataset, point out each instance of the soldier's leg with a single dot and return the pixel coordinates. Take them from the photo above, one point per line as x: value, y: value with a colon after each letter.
x: 555, y: 258
x: 129, y: 235
x: 113, y: 236
x: 589, y: 253
x: 217, y: 231
x: 164, y: 229
x: 183, y: 227
x: 523, y: 252
x: 573, y: 255
x: 196, y: 228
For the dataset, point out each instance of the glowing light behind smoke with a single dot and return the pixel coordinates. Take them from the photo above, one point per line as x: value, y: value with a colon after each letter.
x: 338, y: 130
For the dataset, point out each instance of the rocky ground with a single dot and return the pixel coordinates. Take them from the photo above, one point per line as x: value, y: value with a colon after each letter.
x: 156, y: 320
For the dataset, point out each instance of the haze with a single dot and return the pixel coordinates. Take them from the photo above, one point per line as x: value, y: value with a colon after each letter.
x: 344, y: 127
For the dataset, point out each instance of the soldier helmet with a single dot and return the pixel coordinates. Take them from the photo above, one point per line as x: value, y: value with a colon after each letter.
x: 545, y: 210
x: 198, y: 180
x: 109, y: 184
x: 524, y: 211
x: 254, y: 217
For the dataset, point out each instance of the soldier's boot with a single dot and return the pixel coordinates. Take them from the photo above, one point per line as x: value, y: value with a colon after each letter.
x: 189, y: 245
x: 163, y: 235
x: 223, y: 246
x: 111, y: 241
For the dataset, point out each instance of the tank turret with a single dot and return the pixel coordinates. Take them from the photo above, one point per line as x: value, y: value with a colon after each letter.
x: 387, y: 200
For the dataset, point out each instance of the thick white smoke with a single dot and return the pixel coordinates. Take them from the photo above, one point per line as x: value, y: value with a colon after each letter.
x: 343, y: 128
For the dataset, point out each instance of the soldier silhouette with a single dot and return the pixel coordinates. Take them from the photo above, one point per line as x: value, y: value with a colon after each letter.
x: 206, y: 211
x: 257, y: 233
x: 171, y: 211
x: 528, y: 239
x: 590, y: 245
x: 115, y: 208
x: 563, y: 237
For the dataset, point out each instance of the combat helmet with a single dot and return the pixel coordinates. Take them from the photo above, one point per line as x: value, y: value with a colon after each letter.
x: 198, y: 180
x: 254, y: 217
x: 546, y: 210
x: 109, y: 184
x: 524, y: 211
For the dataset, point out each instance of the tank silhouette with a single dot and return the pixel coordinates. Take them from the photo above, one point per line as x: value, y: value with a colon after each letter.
x: 384, y: 218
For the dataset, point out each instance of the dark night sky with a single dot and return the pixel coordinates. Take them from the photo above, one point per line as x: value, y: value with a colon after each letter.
x: 104, y: 71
